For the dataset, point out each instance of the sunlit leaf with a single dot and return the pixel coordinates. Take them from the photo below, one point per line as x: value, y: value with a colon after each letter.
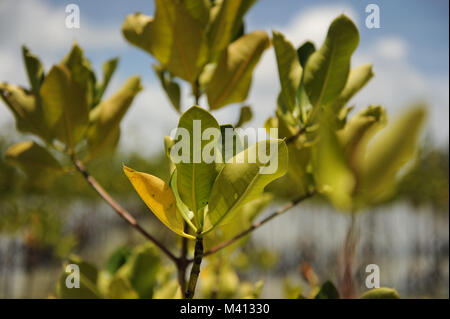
x: 356, y: 133
x: 187, y: 214
x: 174, y: 37
x: 244, y: 177
x: 88, y: 281
x: 226, y: 24
x: 26, y: 109
x: 141, y: 269
x: 198, y: 9
x: 289, y: 69
x: 158, y: 196
x: 231, y: 80
x: 81, y: 72
x: 105, y: 117
x: 194, y: 175
x: 327, y: 69
x: 332, y: 174
x: 121, y: 288
x: 380, y: 293
x: 357, y: 79
x: 390, y: 151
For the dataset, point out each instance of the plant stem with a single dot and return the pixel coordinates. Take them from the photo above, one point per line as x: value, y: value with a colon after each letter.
x: 195, y: 271
x: 183, y: 262
x: 122, y: 212
x: 258, y: 224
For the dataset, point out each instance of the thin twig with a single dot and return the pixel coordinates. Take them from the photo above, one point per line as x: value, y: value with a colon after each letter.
x: 258, y: 224
x: 122, y: 212
x: 183, y: 262
x: 294, y: 137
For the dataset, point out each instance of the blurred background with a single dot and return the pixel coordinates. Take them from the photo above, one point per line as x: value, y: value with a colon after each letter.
x: 407, y: 238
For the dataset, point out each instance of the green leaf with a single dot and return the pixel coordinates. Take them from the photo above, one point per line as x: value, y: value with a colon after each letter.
x: 245, y: 116
x: 305, y: 51
x: 226, y: 25
x: 357, y: 79
x: 327, y: 291
x: 88, y: 281
x: 356, y: 133
x: 199, y: 10
x: 229, y: 148
x: 327, y: 69
x: 26, y: 109
x: 105, y: 118
x: 120, y: 288
x: 187, y: 214
x: 174, y: 37
x: 195, y: 176
x: 118, y: 258
x: 109, y: 67
x: 381, y: 293
x: 332, y: 174
x: 244, y: 178
x: 158, y: 196
x: 289, y: 69
x: 64, y: 106
x: 136, y: 30
x: 81, y: 72
x: 243, y: 219
x: 37, y: 163
x: 388, y: 153
x: 35, y: 70
x: 231, y: 80
x: 171, y: 87
x: 141, y: 269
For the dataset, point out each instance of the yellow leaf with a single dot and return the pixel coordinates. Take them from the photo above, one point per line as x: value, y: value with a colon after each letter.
x: 158, y: 196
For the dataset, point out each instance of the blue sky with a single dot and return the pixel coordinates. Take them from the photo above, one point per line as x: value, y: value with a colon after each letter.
x: 409, y: 52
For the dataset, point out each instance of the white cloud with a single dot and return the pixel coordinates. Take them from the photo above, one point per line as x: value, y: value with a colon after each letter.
x: 392, y: 48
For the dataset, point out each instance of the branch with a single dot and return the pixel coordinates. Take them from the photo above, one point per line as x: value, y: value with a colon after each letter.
x: 258, y: 224
x: 122, y: 212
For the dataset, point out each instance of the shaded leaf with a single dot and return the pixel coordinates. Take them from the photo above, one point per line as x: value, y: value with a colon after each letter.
x: 327, y: 291
x: 35, y: 70
x: 37, y: 163
x: 245, y: 116
x: 64, y: 106
x: 305, y: 51
x: 171, y: 87
x: 109, y: 67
